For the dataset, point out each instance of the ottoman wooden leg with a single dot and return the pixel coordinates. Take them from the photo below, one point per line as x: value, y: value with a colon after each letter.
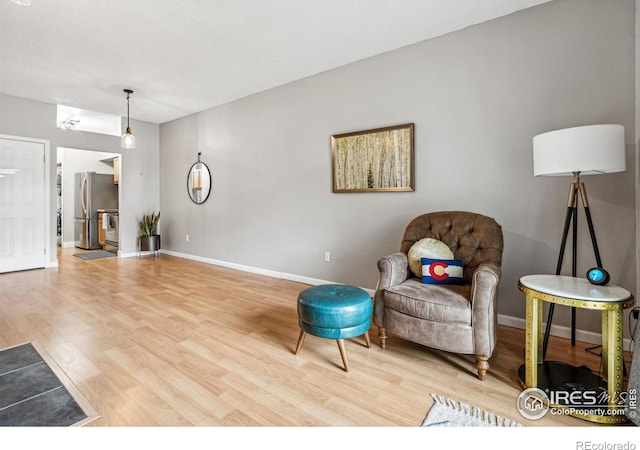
x: 367, y: 340
x: 343, y: 354
x: 300, y: 341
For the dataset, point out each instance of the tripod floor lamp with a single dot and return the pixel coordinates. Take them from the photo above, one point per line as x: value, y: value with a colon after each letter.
x: 585, y: 150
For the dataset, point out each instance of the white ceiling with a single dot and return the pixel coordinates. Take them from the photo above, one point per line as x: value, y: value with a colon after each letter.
x: 185, y: 56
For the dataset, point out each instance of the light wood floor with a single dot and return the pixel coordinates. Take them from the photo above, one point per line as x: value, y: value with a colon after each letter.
x: 163, y: 341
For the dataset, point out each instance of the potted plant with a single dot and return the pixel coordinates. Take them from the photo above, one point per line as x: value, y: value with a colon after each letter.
x: 149, y: 237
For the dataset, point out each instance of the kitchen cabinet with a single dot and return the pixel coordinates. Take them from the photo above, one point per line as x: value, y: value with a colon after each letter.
x: 116, y: 170
x: 101, y: 231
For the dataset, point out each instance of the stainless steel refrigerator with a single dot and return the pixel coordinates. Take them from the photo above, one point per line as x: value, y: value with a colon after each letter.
x: 93, y: 191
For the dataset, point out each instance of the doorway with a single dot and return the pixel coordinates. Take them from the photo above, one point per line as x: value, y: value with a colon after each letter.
x: 69, y: 162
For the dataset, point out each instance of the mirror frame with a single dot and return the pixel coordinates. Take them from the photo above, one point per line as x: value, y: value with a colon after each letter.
x: 199, y: 165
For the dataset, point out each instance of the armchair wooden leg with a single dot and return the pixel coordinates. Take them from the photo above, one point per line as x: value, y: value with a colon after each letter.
x: 382, y: 335
x: 300, y: 341
x: 482, y: 363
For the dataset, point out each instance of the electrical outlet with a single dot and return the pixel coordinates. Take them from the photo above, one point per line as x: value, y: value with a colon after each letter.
x: 327, y: 256
x: 186, y: 238
x: 635, y: 313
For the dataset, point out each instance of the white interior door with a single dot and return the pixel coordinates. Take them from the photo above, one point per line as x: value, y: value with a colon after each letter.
x: 22, y: 205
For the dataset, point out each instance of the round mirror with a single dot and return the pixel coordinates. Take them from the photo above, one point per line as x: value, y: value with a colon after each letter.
x: 199, y: 182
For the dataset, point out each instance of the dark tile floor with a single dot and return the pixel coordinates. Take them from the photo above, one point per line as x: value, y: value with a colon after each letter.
x: 31, y: 394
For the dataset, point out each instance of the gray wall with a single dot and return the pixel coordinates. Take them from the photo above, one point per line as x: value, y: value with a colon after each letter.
x: 477, y: 98
x: 139, y: 181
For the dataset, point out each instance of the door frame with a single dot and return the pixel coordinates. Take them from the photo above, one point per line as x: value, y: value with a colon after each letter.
x: 47, y: 230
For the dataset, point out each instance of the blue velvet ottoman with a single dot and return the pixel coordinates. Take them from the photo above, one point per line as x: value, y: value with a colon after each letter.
x: 334, y: 311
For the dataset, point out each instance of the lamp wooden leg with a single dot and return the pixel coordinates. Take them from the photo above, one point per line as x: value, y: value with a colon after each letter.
x: 300, y: 341
x: 382, y: 335
x: 343, y: 354
x: 482, y: 363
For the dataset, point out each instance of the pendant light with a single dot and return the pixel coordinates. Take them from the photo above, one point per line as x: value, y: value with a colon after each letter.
x: 128, y: 139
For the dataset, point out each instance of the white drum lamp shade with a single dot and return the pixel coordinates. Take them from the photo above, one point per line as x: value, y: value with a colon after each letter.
x: 588, y: 150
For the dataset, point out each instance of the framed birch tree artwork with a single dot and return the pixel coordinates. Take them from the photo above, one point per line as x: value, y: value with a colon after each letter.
x: 375, y: 160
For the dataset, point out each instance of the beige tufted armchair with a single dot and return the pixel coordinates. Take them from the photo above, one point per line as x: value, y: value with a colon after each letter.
x: 454, y: 318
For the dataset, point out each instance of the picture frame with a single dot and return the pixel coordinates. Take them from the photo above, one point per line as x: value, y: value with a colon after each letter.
x: 376, y: 160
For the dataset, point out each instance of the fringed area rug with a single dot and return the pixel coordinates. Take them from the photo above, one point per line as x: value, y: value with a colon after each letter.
x: 446, y: 412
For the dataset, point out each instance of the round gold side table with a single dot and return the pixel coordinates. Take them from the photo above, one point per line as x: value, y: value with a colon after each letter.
x: 552, y: 377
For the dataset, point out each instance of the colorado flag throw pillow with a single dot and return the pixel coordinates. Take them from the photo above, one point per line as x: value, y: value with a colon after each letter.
x: 441, y: 271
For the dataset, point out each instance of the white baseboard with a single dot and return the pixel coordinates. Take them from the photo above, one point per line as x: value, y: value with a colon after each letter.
x: 251, y: 269
x: 589, y: 337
